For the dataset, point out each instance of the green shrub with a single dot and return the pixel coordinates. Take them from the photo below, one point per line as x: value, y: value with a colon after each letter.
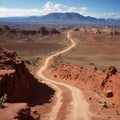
x: 2, y: 100
x: 57, y: 60
x: 27, y: 62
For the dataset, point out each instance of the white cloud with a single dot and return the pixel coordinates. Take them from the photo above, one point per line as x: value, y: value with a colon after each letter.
x: 105, y: 15
x: 110, y: 15
x: 50, y: 7
x: 82, y: 10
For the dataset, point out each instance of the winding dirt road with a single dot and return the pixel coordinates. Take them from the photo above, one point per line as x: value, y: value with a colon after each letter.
x: 77, y: 108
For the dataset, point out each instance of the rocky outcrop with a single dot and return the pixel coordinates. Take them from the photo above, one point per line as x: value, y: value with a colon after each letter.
x: 46, y: 31
x: 21, y: 87
x: 109, y: 93
x: 106, y: 83
x: 90, y: 30
x: 12, y: 34
x: 106, y: 30
x: 17, y: 82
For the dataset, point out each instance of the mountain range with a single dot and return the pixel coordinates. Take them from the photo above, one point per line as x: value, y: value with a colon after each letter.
x: 66, y: 18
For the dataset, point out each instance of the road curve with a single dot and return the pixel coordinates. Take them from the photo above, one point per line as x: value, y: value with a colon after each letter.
x: 79, y: 108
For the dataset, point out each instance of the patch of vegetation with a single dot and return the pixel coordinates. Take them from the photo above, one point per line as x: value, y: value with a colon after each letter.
x: 27, y: 62
x: 35, y: 60
x: 105, y: 105
x: 57, y: 60
x: 31, y: 62
x: 2, y: 100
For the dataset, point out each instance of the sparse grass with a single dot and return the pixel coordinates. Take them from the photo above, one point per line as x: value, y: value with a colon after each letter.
x: 27, y: 62
x: 31, y: 52
x: 56, y: 61
x: 93, y: 50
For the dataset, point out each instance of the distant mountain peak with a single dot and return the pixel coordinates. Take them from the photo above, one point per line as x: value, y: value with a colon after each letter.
x: 63, y: 18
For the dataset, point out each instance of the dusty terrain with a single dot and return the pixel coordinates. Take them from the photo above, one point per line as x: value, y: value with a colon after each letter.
x: 32, y: 48
x: 101, y: 89
x: 81, y: 92
x: 100, y: 86
x: 94, y: 48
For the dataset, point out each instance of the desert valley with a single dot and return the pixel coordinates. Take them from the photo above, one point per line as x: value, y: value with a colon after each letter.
x: 64, y: 61
x: 59, y: 66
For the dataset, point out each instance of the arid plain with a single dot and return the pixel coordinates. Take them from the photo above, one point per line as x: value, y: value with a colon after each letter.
x: 87, y: 66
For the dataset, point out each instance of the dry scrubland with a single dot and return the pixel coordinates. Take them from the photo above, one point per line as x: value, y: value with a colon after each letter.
x: 99, y: 50
x: 31, y: 51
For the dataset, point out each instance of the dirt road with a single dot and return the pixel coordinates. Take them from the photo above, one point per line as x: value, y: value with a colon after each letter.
x: 75, y: 107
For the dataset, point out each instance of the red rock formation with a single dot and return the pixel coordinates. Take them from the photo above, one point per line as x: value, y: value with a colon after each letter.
x: 20, y: 86
x: 106, y: 83
x: 12, y: 34
x: 17, y: 82
x: 106, y: 30
x: 42, y: 31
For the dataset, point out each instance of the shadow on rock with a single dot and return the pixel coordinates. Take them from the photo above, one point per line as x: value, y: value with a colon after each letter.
x: 43, y: 94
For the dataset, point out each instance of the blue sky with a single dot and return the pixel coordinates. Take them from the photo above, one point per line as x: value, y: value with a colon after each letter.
x: 95, y: 8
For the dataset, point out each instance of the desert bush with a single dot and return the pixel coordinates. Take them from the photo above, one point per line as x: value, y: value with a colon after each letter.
x: 105, y: 105
x: 57, y: 60
x: 27, y: 62
x: 2, y: 100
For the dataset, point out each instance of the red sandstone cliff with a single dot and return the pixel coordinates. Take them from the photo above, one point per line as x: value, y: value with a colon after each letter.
x: 20, y: 86
x: 106, y: 83
x: 16, y: 81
